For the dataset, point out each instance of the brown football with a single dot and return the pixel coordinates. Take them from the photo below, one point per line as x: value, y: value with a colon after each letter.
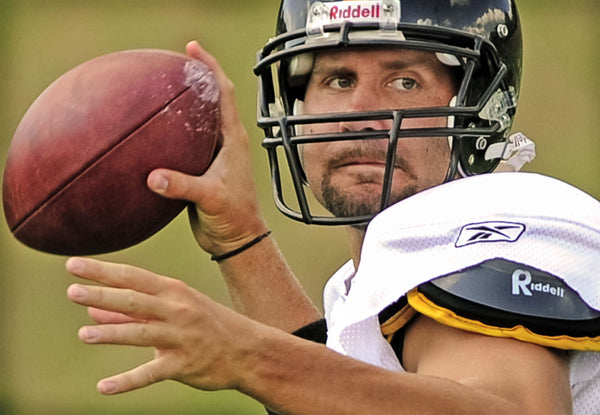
x: 75, y: 174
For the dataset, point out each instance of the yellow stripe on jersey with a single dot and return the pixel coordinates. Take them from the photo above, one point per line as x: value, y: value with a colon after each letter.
x: 397, y: 321
x: 447, y: 317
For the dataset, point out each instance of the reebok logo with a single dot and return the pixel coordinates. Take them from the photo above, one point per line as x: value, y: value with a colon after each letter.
x: 522, y: 284
x: 489, y: 232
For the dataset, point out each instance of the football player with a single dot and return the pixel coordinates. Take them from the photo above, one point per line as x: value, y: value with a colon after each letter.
x: 464, y: 295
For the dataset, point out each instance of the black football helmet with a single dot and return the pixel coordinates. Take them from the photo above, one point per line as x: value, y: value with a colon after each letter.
x: 480, y: 38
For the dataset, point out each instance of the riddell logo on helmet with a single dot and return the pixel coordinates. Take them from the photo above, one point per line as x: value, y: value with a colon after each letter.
x: 522, y: 283
x: 356, y: 10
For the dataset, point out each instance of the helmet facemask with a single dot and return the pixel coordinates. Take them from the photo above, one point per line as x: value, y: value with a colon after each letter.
x: 479, y: 116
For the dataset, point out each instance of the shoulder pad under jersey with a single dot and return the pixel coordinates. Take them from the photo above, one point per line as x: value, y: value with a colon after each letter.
x: 508, y: 299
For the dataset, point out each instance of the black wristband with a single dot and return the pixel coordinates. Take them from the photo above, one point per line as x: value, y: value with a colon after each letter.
x: 242, y: 248
x: 315, y: 331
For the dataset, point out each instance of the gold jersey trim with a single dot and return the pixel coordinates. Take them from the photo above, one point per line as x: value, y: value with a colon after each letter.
x: 425, y: 306
x: 397, y: 321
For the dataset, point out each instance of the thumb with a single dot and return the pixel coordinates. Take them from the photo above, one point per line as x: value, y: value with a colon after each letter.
x: 176, y: 185
x: 144, y: 375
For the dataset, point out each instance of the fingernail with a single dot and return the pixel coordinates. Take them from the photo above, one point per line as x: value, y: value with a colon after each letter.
x: 159, y: 183
x: 77, y: 292
x: 107, y: 387
x: 75, y: 265
x: 88, y: 334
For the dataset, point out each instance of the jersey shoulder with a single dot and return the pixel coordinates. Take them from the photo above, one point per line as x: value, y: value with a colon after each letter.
x: 507, y: 299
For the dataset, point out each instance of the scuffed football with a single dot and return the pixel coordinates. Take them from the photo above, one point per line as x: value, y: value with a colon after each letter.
x: 75, y: 174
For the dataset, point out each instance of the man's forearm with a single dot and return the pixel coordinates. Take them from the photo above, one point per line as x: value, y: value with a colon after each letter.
x: 293, y: 376
x: 263, y: 287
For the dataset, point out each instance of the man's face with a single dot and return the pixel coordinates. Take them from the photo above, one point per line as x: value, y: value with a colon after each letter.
x: 347, y: 176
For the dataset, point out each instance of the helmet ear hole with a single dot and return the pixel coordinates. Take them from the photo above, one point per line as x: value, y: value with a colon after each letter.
x: 472, y: 152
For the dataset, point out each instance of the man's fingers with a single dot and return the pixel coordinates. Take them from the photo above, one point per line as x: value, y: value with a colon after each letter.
x: 130, y: 334
x: 144, y: 375
x: 194, y: 50
x: 229, y: 110
x: 109, y: 317
x: 117, y: 275
x: 175, y: 185
x: 117, y: 300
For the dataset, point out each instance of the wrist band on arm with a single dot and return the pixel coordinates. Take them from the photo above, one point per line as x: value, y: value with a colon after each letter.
x: 219, y: 258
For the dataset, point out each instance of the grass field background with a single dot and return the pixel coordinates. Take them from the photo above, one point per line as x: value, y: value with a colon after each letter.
x: 45, y: 369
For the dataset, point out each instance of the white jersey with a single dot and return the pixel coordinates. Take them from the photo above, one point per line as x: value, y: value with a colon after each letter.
x: 523, y: 218
x: 365, y: 342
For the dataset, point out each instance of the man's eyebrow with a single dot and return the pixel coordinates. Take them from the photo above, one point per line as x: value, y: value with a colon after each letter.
x: 334, y: 69
x: 404, y: 63
x: 392, y: 64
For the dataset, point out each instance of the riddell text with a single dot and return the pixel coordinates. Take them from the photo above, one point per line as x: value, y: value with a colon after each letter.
x: 355, y: 12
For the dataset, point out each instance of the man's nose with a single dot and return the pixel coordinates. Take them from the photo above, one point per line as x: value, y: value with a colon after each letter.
x: 363, y: 99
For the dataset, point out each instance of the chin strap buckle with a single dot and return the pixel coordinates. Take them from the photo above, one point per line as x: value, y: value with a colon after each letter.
x: 514, y: 153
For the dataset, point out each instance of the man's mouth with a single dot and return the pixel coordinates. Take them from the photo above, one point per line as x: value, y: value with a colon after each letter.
x: 358, y: 156
x: 377, y: 161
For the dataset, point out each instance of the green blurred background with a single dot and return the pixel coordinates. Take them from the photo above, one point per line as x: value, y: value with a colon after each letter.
x: 44, y: 367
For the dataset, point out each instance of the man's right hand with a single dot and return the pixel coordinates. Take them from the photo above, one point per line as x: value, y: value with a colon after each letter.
x: 226, y: 216
x: 226, y: 213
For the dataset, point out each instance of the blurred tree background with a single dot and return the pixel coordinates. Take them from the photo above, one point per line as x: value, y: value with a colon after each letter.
x: 45, y: 369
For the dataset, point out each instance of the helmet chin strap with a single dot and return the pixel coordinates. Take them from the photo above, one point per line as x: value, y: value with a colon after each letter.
x: 515, y: 153
x: 298, y: 109
x: 450, y: 124
x: 450, y: 121
x: 450, y: 60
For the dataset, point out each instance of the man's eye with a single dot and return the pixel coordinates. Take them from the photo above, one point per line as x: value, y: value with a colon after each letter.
x: 340, y: 83
x: 404, y: 83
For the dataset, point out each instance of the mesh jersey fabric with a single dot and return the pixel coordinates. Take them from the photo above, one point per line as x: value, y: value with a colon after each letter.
x: 416, y: 240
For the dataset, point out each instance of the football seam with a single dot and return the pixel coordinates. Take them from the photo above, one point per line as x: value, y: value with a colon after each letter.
x: 63, y: 185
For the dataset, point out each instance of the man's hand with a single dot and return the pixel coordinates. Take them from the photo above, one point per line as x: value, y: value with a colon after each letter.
x: 226, y: 216
x: 208, y: 346
x: 226, y: 213
x: 196, y: 340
